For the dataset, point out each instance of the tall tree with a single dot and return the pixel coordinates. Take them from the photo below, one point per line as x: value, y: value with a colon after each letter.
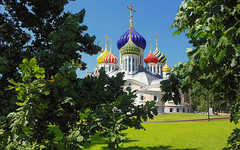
x: 213, y: 28
x: 46, y: 106
x: 42, y: 30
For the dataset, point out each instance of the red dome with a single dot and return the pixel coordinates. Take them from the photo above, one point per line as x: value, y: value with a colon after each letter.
x: 110, y: 58
x: 151, y: 58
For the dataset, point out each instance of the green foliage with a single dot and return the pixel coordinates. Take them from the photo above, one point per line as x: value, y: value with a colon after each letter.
x: 47, y: 106
x: 42, y: 30
x: 213, y: 29
x: 65, y: 112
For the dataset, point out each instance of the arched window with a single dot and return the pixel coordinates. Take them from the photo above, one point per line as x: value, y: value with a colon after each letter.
x: 161, y: 71
x: 150, y: 68
x: 133, y: 64
x: 125, y: 64
x: 147, y: 68
x: 158, y: 69
x: 142, y: 97
x: 155, y: 98
x: 109, y: 68
x: 129, y: 65
x: 154, y: 70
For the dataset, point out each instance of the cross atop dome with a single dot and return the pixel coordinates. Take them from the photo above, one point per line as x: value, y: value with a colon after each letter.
x: 150, y: 45
x: 110, y: 46
x: 131, y: 16
x: 107, y: 38
x: 157, y: 37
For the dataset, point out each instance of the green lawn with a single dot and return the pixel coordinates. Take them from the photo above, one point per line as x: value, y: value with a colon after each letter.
x: 178, y: 135
x: 183, y: 116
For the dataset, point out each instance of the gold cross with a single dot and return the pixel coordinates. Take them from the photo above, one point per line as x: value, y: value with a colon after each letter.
x: 131, y: 10
x: 156, y: 35
x: 106, y: 37
x: 150, y: 45
x: 111, y: 46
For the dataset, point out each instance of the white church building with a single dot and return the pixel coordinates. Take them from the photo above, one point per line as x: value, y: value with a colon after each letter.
x: 143, y: 74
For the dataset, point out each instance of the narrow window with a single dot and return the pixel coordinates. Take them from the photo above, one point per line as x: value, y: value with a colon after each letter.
x: 183, y: 110
x: 126, y: 64
x: 177, y: 109
x: 161, y: 71
x: 150, y: 68
x: 171, y: 110
x: 129, y: 65
x: 142, y: 97
x: 154, y: 70
x: 158, y: 69
x: 155, y: 98
x: 133, y: 64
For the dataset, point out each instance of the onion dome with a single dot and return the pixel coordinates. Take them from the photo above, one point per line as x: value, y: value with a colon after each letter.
x: 110, y: 58
x: 130, y: 48
x: 137, y: 39
x: 150, y: 58
x: 160, y: 56
x: 166, y: 68
x: 100, y: 58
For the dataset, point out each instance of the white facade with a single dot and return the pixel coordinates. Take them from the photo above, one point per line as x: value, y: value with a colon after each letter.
x: 144, y: 79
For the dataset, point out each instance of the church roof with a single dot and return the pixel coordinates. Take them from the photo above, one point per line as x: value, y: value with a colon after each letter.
x: 142, y: 77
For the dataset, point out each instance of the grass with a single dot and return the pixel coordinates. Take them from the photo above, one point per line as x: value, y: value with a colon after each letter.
x: 183, y: 116
x: 178, y: 135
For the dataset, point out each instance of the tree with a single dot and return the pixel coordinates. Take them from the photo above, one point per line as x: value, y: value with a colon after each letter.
x: 66, y: 112
x: 47, y: 106
x: 42, y: 30
x: 213, y: 28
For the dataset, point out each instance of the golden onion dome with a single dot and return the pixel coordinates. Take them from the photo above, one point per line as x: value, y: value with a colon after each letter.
x: 100, y: 58
x: 166, y: 68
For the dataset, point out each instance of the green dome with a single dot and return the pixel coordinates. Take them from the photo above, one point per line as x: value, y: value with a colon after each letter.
x: 130, y: 48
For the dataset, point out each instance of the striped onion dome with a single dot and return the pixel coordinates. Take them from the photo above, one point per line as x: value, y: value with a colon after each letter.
x: 100, y: 58
x: 130, y: 48
x: 136, y: 38
x: 161, y: 57
x: 166, y: 68
x: 110, y: 58
x: 151, y: 58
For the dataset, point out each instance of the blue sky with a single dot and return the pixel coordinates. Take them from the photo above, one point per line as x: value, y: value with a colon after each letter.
x: 152, y: 16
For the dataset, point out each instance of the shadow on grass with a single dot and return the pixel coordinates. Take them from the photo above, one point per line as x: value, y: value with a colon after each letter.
x: 99, y: 140
x: 160, y: 147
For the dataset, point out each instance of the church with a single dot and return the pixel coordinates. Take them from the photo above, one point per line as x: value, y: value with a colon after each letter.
x: 143, y: 74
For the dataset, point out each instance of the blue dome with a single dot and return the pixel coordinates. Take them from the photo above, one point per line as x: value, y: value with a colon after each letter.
x: 136, y: 38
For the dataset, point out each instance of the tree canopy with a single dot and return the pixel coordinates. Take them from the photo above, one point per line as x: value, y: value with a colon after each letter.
x: 43, y: 104
x: 213, y: 28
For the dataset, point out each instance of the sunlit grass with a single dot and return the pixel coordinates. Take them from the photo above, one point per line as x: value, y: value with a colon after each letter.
x: 178, y: 135
x: 183, y: 116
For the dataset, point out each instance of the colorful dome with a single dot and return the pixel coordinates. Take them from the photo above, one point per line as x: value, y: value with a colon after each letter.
x: 151, y: 58
x: 130, y: 48
x: 136, y: 38
x: 100, y: 58
x: 160, y: 56
x: 166, y: 68
x: 110, y: 58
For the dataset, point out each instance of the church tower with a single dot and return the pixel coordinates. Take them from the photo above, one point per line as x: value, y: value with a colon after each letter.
x: 131, y: 46
x: 110, y: 61
x: 151, y: 61
x: 161, y: 58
